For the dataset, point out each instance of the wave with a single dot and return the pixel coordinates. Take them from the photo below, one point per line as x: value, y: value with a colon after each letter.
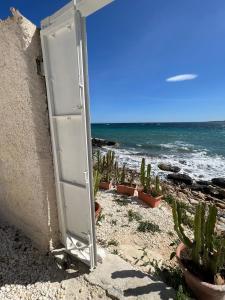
x: 172, y: 147
x: 196, y: 163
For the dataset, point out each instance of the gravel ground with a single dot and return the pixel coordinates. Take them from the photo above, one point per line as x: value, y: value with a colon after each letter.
x: 117, y: 233
x: 25, y: 273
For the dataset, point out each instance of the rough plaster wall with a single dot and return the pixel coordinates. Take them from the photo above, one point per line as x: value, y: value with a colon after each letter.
x: 27, y: 191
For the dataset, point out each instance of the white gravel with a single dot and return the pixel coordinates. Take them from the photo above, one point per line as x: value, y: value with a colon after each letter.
x: 115, y: 228
x: 27, y: 274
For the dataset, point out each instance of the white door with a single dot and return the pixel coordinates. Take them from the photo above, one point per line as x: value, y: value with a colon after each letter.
x: 63, y: 38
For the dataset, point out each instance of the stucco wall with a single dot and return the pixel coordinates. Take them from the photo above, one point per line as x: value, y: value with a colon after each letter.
x: 27, y: 191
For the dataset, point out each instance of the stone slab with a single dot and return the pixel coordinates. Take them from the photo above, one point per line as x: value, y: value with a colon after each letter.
x: 121, y: 281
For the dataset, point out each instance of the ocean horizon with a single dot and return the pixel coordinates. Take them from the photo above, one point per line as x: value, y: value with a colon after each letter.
x: 198, y: 148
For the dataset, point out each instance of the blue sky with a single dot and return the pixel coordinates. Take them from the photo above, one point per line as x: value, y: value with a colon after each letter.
x: 136, y: 46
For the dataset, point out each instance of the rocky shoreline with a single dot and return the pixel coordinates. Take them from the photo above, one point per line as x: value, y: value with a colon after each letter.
x: 210, y: 190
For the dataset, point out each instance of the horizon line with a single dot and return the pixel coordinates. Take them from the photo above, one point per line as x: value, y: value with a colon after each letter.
x: 155, y: 122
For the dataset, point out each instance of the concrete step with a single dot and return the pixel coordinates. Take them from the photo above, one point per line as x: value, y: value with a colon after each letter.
x: 121, y: 281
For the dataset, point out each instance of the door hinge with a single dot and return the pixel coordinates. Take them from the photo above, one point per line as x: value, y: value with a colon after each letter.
x: 40, y: 66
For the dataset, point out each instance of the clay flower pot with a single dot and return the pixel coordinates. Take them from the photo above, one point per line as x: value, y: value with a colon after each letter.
x: 147, y: 198
x: 126, y: 189
x: 98, y: 210
x: 105, y: 185
x: 201, y: 289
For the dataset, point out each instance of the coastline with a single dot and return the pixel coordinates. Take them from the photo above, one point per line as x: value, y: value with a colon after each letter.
x: 118, y: 228
x: 198, y: 149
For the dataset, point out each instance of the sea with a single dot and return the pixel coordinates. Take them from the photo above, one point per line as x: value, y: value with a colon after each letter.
x: 197, y: 148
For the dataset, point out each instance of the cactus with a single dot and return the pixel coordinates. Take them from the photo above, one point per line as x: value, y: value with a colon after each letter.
x: 107, y: 166
x: 142, y: 173
x: 116, y: 172
x: 123, y: 174
x: 131, y: 178
x: 147, y: 186
x: 157, y: 185
x: 96, y: 182
x: 207, y: 247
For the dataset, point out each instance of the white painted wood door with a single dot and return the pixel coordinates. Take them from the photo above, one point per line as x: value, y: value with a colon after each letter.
x: 63, y: 38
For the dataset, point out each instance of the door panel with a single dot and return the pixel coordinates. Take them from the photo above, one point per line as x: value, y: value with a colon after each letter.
x: 70, y: 135
x: 63, y: 39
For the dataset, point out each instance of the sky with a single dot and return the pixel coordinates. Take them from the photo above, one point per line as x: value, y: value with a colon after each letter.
x: 150, y: 60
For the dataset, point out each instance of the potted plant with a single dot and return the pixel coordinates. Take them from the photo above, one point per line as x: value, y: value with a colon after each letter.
x: 106, y: 166
x: 202, y: 257
x: 125, y: 187
x: 96, y: 182
x: 151, y: 194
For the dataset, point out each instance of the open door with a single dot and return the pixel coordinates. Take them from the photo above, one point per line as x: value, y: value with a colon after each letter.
x: 63, y: 38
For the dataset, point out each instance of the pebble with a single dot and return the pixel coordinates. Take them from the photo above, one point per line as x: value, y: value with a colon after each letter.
x: 27, y: 274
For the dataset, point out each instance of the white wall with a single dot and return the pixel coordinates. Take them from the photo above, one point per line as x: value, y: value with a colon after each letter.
x: 27, y: 191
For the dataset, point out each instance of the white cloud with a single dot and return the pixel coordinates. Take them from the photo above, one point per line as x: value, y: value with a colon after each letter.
x: 182, y: 77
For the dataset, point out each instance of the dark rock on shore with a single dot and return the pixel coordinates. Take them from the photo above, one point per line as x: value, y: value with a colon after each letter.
x: 204, y: 182
x: 168, y: 168
x: 180, y: 178
x: 219, y: 182
x: 100, y: 143
x: 209, y: 190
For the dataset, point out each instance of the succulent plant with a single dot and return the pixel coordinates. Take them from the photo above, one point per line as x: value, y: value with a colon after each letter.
x: 157, y: 184
x: 123, y: 174
x: 142, y: 173
x: 207, y: 247
x: 96, y: 182
x: 147, y: 186
x: 116, y: 172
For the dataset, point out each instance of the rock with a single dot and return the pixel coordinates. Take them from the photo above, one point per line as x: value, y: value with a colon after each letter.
x: 219, y: 182
x: 203, y: 182
x: 168, y: 168
x: 199, y: 195
x: 198, y: 188
x: 209, y: 190
x: 180, y: 178
x: 100, y: 142
x: 193, y: 201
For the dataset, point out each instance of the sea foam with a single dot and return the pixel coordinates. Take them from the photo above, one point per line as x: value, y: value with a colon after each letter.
x: 198, y: 164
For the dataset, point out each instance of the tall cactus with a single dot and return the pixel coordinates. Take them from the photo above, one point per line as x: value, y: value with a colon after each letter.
x: 108, y: 165
x: 116, y: 172
x: 207, y: 247
x: 123, y: 174
x: 142, y: 175
x: 147, y: 186
x: 96, y: 182
x: 157, y: 184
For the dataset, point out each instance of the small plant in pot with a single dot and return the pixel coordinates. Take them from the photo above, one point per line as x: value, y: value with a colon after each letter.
x: 202, y: 257
x: 125, y: 187
x: 151, y: 194
x: 106, y: 167
x: 96, y: 182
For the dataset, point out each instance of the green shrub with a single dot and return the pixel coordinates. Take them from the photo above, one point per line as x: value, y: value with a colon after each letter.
x: 132, y: 215
x: 146, y: 226
x: 113, y: 243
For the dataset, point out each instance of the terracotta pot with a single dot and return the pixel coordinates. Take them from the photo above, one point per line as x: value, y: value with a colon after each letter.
x: 201, y: 289
x: 126, y: 189
x: 147, y: 198
x: 105, y: 185
x: 98, y: 210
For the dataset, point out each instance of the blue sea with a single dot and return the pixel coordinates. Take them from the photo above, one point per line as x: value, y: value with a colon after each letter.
x: 197, y: 148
